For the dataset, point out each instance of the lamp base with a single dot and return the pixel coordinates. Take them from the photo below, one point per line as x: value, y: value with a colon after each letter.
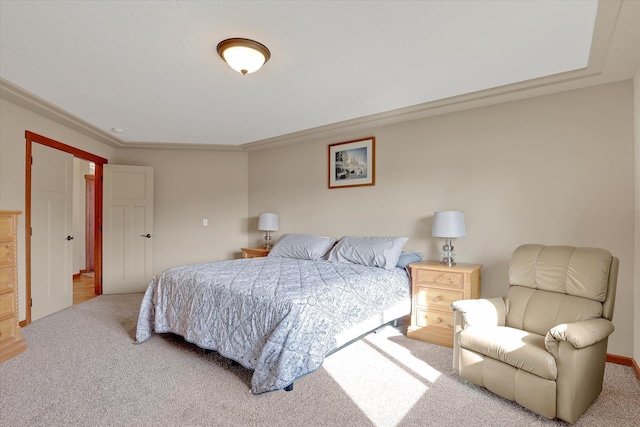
x: 447, y: 254
x: 448, y: 261
x: 267, y: 240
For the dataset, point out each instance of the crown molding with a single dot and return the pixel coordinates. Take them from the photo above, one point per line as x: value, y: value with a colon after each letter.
x: 180, y: 146
x: 513, y: 92
x: 35, y: 104
x: 606, y: 21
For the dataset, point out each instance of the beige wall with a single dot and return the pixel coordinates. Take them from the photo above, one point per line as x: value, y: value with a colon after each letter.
x: 190, y: 186
x: 14, y: 120
x: 556, y: 169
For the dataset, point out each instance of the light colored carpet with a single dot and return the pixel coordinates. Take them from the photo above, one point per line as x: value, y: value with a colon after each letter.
x: 82, y: 368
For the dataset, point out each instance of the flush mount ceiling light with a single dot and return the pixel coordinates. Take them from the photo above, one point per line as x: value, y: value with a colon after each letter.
x: 243, y: 55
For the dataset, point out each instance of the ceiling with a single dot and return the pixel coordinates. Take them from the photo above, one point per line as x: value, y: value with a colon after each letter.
x: 151, y: 69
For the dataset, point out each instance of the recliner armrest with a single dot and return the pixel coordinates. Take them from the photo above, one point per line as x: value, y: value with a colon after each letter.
x: 481, y: 312
x: 579, y: 334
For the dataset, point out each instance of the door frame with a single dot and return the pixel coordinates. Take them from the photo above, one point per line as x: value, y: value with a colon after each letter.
x: 89, y: 250
x: 31, y: 138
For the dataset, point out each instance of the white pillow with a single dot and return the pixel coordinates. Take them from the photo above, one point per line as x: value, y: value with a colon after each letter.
x: 371, y: 251
x: 302, y: 246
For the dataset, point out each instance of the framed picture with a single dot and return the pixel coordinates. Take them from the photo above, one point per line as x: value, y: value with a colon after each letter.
x: 352, y: 163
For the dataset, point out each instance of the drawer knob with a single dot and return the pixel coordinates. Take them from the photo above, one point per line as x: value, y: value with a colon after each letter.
x: 438, y: 320
x: 437, y: 298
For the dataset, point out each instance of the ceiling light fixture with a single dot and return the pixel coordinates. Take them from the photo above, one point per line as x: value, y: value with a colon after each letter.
x: 243, y: 55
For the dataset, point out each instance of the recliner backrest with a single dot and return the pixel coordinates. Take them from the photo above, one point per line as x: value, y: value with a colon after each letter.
x: 549, y: 285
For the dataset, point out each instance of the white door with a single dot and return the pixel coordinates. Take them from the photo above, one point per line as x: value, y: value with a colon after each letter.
x: 51, y: 225
x: 127, y: 229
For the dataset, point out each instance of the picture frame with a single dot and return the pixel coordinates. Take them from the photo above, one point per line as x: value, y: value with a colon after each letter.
x: 352, y: 163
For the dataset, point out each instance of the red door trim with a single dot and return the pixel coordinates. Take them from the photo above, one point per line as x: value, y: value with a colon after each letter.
x: 32, y: 137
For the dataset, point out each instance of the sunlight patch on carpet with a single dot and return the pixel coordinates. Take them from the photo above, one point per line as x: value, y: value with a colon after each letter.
x: 382, y: 340
x: 384, y: 391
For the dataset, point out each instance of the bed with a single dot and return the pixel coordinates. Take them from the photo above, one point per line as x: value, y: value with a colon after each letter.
x: 280, y: 315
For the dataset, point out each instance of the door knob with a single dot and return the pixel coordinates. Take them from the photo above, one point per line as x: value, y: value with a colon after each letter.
x: 69, y: 237
x: 148, y: 236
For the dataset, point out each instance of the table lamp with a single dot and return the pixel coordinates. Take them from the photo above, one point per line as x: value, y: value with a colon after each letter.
x: 268, y: 222
x: 450, y: 225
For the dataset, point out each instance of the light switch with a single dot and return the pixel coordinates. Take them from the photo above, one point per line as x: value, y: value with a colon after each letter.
x: 205, y: 222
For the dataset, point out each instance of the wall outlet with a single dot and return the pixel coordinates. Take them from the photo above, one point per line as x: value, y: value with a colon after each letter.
x: 205, y: 222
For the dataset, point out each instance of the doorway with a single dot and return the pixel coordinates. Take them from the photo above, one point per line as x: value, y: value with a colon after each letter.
x: 83, y: 230
x: 31, y: 139
x: 83, y: 288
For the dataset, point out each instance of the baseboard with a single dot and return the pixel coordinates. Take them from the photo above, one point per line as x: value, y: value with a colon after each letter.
x: 626, y: 361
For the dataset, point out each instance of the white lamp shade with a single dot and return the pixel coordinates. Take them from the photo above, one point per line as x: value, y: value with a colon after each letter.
x: 448, y: 224
x: 268, y: 222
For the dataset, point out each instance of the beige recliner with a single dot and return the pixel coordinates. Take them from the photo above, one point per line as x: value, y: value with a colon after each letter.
x: 544, y: 344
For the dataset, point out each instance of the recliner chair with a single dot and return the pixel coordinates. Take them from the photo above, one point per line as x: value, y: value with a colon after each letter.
x: 544, y: 344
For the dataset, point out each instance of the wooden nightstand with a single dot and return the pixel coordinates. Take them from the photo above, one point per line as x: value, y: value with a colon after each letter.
x: 254, y: 252
x: 434, y: 287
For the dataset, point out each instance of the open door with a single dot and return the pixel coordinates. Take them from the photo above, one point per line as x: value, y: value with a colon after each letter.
x: 51, y: 230
x: 41, y: 253
x: 127, y: 228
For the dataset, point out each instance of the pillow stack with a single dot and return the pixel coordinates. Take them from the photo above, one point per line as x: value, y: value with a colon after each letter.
x: 383, y: 252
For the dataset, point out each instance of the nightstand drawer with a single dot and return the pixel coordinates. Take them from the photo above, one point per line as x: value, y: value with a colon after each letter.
x: 8, y: 329
x: 440, y: 278
x: 434, y: 319
x: 7, y: 277
x: 435, y: 298
x: 433, y: 288
x: 8, y: 226
x: 7, y: 307
x: 254, y: 252
x: 7, y: 254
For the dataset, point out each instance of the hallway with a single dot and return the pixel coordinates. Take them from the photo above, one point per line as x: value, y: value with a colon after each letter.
x: 83, y: 288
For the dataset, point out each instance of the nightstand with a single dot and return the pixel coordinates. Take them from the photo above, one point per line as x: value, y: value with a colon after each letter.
x: 254, y: 252
x: 434, y: 287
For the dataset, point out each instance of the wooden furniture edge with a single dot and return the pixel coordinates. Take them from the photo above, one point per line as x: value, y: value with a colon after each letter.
x: 626, y: 361
x: 14, y: 344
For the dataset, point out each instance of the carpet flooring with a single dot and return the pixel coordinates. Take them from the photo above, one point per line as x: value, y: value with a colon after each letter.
x: 82, y: 368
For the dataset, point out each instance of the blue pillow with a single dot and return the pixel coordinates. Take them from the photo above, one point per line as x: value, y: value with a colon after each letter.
x: 407, y: 258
